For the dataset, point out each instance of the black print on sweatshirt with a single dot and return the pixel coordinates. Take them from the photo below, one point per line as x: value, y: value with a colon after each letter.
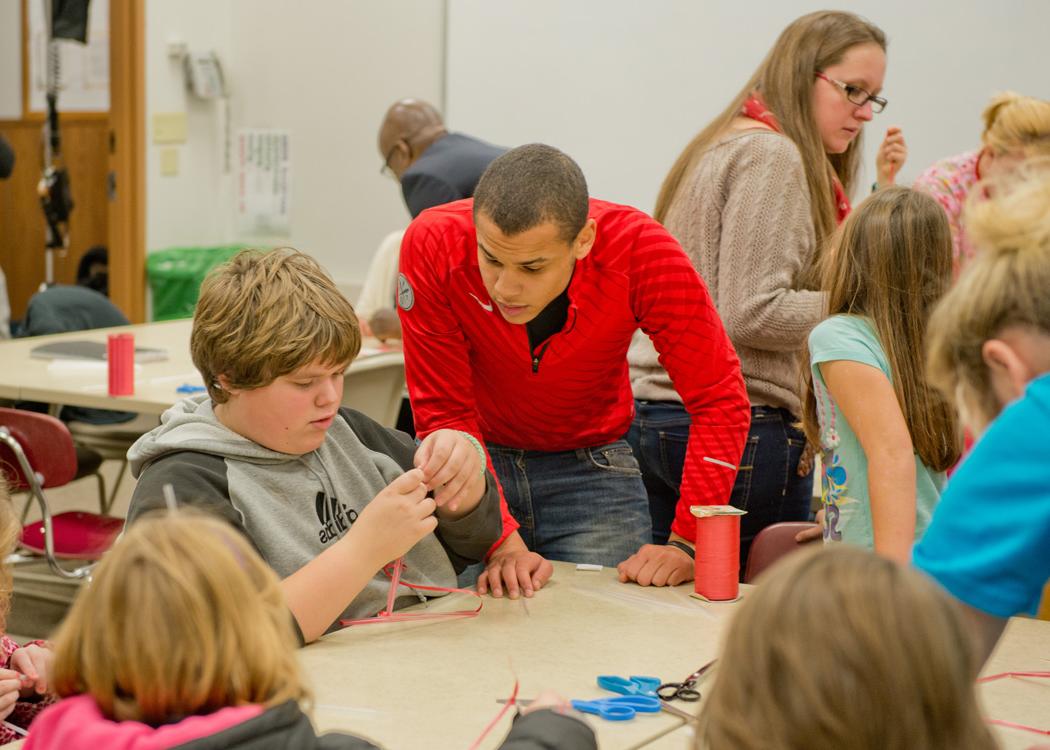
x: 335, y: 517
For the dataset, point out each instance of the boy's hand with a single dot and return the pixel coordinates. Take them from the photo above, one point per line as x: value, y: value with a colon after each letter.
x: 34, y: 662
x: 11, y: 684
x: 893, y: 152
x: 514, y: 566
x: 451, y: 467
x: 398, y: 517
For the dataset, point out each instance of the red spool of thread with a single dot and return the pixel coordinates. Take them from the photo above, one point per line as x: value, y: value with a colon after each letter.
x: 120, y: 353
x: 717, y: 552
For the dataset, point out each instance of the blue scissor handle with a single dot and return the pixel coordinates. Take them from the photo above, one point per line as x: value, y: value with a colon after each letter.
x: 634, y: 685
x: 607, y: 712
x: 620, y: 708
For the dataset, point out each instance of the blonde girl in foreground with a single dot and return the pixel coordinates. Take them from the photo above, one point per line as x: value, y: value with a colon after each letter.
x: 989, y: 542
x: 183, y: 639
x: 840, y: 648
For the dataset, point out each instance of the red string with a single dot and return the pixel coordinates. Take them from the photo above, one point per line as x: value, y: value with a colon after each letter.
x: 510, y: 702
x: 1010, y: 724
x: 718, y: 557
x: 999, y: 722
x: 1001, y: 675
x: 394, y: 570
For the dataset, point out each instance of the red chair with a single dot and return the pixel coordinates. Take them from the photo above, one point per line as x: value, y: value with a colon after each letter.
x: 36, y: 451
x: 771, y: 544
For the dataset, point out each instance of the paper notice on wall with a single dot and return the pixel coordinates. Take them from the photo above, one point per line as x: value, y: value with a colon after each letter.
x: 263, y: 189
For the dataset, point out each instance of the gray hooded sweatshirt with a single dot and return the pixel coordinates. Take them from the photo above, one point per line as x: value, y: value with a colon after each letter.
x: 292, y: 508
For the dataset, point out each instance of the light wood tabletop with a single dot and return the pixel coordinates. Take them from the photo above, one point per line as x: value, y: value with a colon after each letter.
x: 375, y: 379
x: 435, y: 683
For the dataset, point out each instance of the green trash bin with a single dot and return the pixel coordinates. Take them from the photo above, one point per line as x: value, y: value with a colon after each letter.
x: 175, y: 275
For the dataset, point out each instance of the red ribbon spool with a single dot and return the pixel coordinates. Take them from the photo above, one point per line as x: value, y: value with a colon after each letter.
x: 717, y: 567
x: 120, y: 353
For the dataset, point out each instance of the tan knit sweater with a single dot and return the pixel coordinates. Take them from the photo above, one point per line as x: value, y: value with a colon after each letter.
x: 743, y: 217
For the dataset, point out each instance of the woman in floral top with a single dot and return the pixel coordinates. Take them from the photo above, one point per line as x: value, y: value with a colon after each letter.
x: 1016, y: 128
x: 24, y: 670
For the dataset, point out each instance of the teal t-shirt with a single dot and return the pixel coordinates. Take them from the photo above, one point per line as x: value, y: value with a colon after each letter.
x: 844, y: 481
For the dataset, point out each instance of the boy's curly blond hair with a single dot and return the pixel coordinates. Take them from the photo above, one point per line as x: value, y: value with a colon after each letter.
x: 262, y: 315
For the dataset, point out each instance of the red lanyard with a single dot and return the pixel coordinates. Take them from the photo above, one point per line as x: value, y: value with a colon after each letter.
x: 394, y: 570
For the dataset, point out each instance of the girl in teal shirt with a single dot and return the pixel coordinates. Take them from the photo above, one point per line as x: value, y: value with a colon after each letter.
x: 886, y: 437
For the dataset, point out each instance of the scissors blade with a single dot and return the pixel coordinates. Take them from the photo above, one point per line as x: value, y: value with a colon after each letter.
x: 689, y: 718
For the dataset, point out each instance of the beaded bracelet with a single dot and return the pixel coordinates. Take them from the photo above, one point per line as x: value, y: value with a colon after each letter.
x: 477, y: 446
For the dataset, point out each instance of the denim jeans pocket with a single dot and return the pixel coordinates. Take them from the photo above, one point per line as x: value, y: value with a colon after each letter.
x: 742, y: 487
x: 673, y: 446
x: 616, y: 458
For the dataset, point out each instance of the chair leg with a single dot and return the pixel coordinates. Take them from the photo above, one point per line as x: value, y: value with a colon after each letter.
x: 103, y: 505
x: 116, y: 486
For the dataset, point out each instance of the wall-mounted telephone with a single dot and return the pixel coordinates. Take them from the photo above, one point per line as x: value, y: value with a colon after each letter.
x: 204, y: 76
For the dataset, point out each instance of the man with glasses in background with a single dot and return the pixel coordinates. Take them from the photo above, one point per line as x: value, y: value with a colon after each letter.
x: 433, y: 165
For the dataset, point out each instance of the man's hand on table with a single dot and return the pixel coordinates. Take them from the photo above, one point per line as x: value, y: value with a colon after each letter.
x: 514, y: 569
x: 658, y: 565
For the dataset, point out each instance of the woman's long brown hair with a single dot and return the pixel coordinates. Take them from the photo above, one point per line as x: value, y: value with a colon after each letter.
x: 785, y: 79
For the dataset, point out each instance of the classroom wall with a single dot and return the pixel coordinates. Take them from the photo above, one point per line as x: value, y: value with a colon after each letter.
x: 193, y: 207
x: 325, y: 71
x: 622, y: 86
x: 10, y: 59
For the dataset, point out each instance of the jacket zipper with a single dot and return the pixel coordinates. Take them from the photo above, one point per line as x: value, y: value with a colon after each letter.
x: 536, y: 356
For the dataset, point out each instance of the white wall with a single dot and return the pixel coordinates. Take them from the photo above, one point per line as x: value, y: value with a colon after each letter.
x: 324, y: 70
x: 622, y: 85
x: 193, y: 207
x: 10, y: 59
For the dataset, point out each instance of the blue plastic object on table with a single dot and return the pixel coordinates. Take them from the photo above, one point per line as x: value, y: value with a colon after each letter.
x: 620, y: 708
x: 633, y: 685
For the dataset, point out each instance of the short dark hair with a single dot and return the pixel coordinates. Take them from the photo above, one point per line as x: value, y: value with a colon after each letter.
x: 530, y: 185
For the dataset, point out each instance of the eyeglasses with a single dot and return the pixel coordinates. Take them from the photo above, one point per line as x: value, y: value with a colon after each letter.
x: 386, y: 170
x: 856, y: 95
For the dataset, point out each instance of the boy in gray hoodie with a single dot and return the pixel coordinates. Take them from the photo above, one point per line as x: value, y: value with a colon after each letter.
x: 326, y: 495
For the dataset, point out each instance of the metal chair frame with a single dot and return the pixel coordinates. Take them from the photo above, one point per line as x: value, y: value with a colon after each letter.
x: 36, y: 490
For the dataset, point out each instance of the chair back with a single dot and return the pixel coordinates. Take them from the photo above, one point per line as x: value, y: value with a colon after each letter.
x: 47, y: 445
x: 376, y: 391
x: 771, y: 544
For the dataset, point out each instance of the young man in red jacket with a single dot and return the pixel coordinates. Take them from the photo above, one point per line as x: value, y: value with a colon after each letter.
x: 517, y: 308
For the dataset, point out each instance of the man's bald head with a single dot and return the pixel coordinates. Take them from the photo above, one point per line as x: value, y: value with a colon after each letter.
x: 409, y: 127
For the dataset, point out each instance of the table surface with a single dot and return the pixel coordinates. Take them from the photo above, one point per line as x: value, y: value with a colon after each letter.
x: 435, y: 683
x: 85, y: 383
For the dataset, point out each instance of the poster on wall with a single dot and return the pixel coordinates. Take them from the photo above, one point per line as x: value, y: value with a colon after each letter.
x: 263, y: 191
x: 83, y: 69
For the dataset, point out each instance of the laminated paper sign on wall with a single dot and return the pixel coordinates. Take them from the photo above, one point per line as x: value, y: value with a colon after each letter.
x: 263, y: 189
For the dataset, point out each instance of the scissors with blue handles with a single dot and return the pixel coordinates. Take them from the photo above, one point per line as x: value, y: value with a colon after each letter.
x: 633, y: 685
x: 620, y: 708
x: 637, y: 694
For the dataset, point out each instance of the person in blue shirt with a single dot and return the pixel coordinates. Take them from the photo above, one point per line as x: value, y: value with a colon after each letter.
x: 988, y: 543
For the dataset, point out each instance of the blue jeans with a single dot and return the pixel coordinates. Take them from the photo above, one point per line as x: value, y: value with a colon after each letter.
x: 586, y: 505
x: 767, y: 486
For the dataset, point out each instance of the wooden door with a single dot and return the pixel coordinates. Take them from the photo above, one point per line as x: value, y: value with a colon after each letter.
x: 105, y: 156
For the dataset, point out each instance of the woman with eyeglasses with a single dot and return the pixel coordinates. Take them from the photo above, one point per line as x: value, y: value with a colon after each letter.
x: 752, y: 199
